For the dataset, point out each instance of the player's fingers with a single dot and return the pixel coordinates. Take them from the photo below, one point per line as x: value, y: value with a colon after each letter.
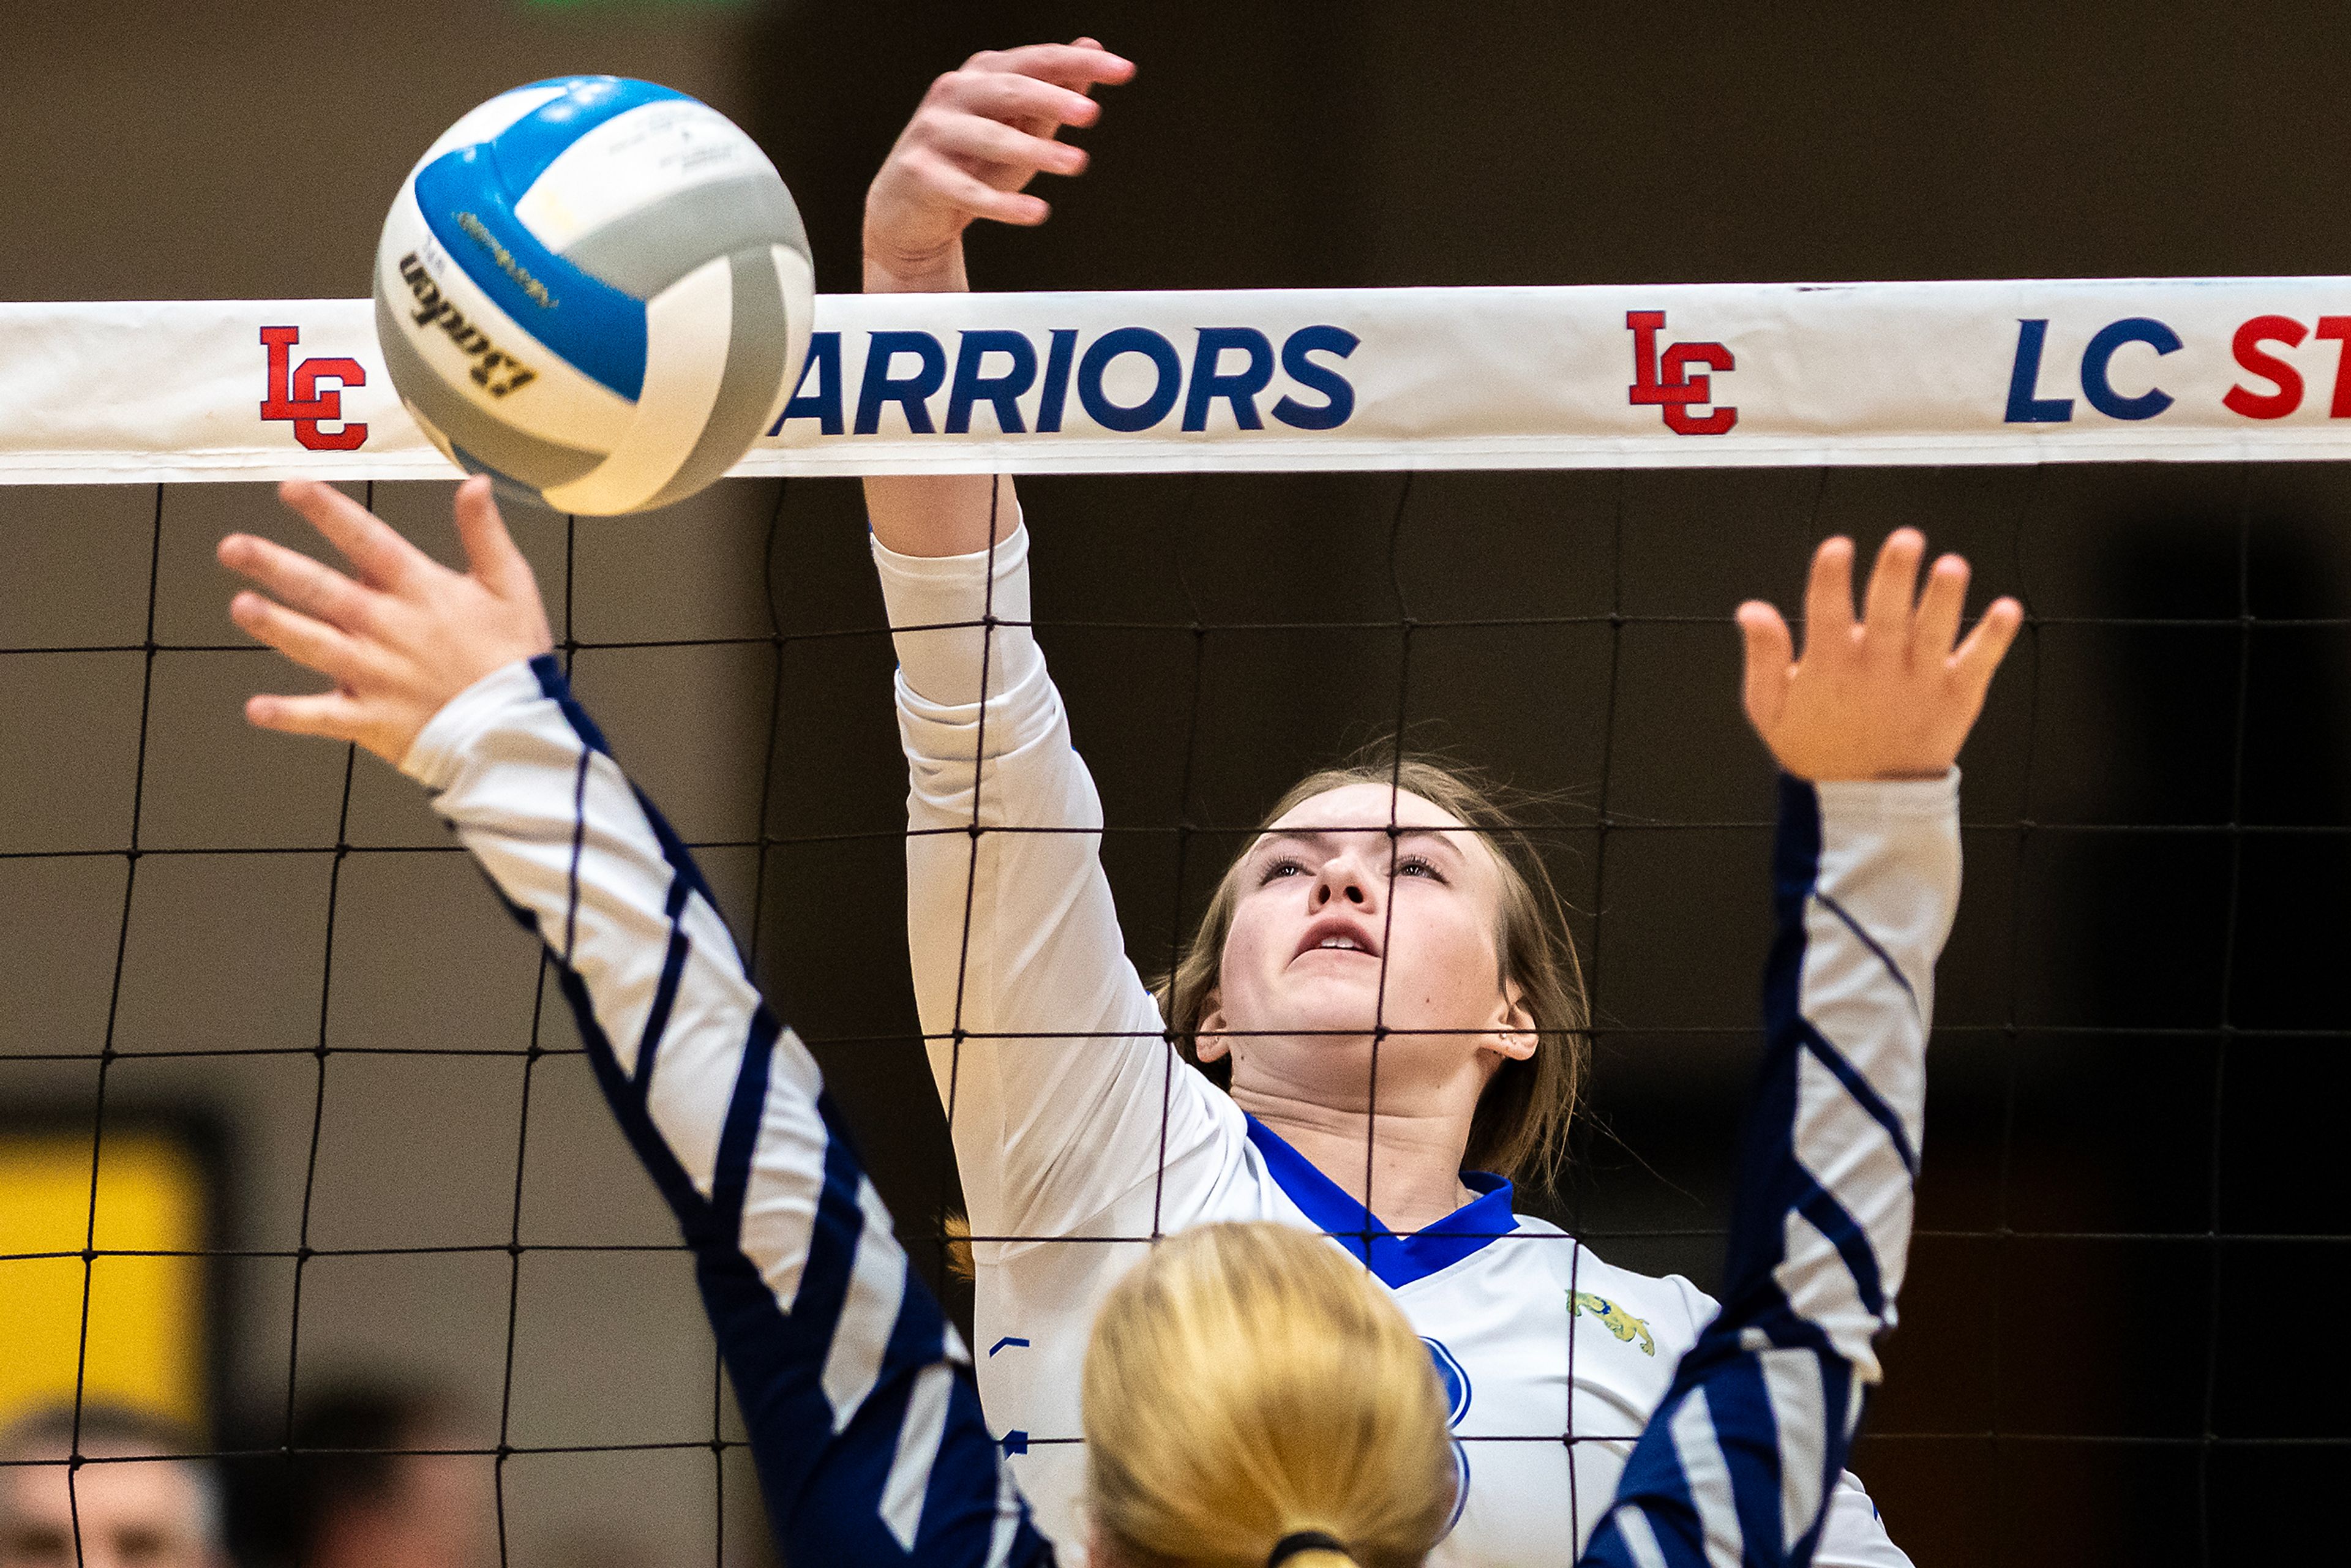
x: 301, y: 638
x: 1828, y: 597
x: 1976, y: 659
x: 1940, y: 605
x: 1083, y: 89
x: 968, y: 137
x: 335, y: 714
x: 490, y: 550
x: 1074, y: 65
x: 367, y: 541
x: 944, y: 179
x: 1770, y: 652
x: 1124, y: 65
x: 310, y: 586
x: 1017, y: 99
x: 1892, y: 583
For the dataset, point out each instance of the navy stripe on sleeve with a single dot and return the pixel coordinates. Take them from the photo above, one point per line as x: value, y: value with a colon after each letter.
x: 857, y: 1394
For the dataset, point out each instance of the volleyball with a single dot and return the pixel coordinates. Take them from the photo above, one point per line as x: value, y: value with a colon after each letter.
x: 596, y: 290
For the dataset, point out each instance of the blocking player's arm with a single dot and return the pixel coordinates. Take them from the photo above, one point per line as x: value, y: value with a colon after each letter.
x: 1740, y: 1461
x: 980, y: 136
x: 857, y: 1394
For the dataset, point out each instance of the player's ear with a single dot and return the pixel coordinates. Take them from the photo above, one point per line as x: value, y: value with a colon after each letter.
x: 1513, y: 1034
x: 1209, y: 1034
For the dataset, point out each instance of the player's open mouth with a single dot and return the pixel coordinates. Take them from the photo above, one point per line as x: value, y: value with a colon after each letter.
x: 1337, y: 935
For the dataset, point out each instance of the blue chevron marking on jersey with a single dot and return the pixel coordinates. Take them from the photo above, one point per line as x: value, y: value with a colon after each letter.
x: 1455, y: 1381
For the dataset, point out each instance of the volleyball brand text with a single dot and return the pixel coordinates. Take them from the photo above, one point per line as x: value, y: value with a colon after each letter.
x: 494, y: 370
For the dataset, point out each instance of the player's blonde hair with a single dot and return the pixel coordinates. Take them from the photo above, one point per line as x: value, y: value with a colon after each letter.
x: 1250, y: 1382
x: 1521, y: 1126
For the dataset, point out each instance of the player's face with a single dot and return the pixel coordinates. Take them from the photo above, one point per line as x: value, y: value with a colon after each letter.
x: 1338, y: 926
x: 134, y: 1514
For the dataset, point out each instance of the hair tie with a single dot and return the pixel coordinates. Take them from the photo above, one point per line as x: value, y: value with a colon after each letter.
x: 1289, y: 1546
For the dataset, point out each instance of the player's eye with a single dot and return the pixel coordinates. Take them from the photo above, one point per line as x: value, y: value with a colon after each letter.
x: 1285, y: 866
x: 1418, y: 866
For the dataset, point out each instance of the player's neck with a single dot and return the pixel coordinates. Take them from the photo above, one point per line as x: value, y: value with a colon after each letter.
x: 1415, y: 1158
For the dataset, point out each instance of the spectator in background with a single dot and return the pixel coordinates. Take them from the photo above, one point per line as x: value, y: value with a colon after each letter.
x: 358, y: 1492
x: 133, y: 1510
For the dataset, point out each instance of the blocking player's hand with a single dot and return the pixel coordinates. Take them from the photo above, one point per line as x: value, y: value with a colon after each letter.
x: 1891, y: 695
x: 401, y: 634
x: 982, y: 133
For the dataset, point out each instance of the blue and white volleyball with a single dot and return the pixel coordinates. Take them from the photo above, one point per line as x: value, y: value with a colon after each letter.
x: 596, y: 290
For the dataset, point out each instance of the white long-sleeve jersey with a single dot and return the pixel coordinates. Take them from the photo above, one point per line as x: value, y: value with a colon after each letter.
x: 1081, y: 1134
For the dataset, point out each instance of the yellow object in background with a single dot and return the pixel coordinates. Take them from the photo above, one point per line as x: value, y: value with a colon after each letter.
x: 146, y: 1341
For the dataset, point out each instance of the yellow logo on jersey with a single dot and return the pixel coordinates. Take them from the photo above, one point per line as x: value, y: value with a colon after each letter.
x: 1619, y: 1321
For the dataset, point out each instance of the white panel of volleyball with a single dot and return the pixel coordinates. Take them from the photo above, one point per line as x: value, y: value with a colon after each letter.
x: 1666, y: 376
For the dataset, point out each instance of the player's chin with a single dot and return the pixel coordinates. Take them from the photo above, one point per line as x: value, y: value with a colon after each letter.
x: 1336, y: 1010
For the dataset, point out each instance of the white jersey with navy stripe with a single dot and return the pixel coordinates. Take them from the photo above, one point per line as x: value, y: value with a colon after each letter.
x: 855, y: 1391
x: 1079, y: 1134
x: 1735, y: 1462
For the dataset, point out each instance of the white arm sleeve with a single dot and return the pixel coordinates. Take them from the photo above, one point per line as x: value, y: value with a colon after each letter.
x: 1884, y: 892
x: 1063, y: 1091
x: 1865, y: 885
x: 855, y: 1392
x: 1852, y: 1533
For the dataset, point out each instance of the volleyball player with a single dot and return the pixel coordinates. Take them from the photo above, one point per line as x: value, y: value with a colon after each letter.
x: 1249, y: 1397
x: 1410, y: 924
x: 1201, y: 1418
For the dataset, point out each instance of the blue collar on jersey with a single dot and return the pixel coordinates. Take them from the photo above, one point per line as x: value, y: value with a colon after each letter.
x: 1397, y: 1259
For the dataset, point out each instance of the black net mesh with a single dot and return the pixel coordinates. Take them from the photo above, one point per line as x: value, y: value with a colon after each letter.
x: 269, y: 951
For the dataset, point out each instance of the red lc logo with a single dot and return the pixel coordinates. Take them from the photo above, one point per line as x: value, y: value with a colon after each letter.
x: 1666, y: 379
x: 304, y: 403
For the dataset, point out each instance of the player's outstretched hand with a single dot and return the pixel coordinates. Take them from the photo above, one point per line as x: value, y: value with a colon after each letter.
x: 1890, y: 696
x: 400, y: 636
x: 982, y: 133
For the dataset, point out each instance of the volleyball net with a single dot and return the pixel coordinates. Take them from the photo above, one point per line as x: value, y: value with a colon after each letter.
x: 1667, y: 376
x: 303, y: 1109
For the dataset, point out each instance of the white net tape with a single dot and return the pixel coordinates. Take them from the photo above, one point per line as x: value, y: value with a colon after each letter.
x: 1661, y: 376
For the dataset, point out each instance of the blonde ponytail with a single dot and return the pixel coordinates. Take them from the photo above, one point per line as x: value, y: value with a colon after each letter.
x: 1248, y: 1383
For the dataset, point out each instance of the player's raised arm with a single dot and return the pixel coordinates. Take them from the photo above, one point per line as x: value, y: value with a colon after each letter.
x: 856, y: 1392
x: 1046, y: 1048
x: 1742, y: 1462
x: 980, y: 138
